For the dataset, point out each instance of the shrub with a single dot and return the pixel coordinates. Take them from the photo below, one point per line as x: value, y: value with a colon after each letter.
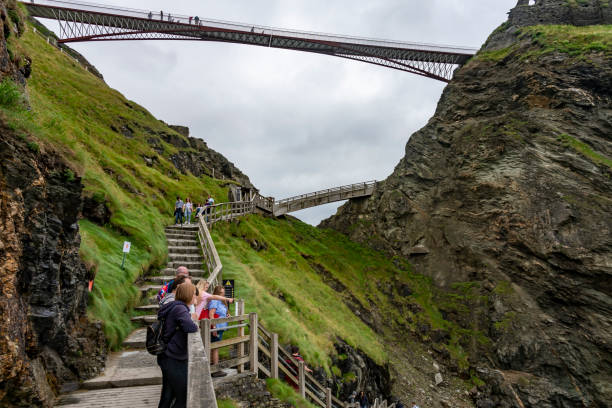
x: 10, y: 95
x: 34, y: 147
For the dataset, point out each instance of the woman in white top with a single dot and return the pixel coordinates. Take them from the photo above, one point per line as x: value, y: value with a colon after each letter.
x: 188, y: 210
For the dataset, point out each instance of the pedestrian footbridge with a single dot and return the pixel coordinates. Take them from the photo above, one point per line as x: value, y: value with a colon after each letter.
x: 330, y: 195
x: 83, y: 21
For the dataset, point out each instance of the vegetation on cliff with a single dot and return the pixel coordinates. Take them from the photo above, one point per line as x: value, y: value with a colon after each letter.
x: 503, y: 199
x: 121, y: 153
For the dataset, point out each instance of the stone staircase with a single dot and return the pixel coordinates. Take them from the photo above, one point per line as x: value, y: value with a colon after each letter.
x: 183, y: 250
x: 132, y: 378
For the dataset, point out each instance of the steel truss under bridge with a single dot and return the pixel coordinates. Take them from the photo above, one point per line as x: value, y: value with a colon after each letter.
x: 81, y: 21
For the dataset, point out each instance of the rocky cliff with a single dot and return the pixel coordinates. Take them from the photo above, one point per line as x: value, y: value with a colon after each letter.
x: 46, y: 340
x: 508, y: 189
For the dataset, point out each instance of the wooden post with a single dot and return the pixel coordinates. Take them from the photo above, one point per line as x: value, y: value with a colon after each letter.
x: 253, y: 343
x: 205, y: 330
x: 328, y: 399
x: 302, y: 379
x: 274, y: 356
x: 240, y: 312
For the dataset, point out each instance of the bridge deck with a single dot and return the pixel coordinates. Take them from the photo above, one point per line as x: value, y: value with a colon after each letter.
x: 81, y: 21
x: 321, y: 197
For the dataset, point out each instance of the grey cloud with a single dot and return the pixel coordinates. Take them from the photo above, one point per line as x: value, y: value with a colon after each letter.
x: 295, y: 122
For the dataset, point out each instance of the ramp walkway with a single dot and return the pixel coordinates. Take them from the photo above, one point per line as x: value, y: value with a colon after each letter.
x: 84, y: 21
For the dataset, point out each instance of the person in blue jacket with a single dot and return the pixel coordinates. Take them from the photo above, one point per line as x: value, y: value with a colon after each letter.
x: 173, y: 361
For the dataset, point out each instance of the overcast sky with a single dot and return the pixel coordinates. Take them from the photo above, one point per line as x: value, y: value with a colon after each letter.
x: 295, y: 122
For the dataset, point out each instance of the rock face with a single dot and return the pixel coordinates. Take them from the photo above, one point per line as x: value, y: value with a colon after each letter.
x: 46, y: 341
x: 509, y: 186
x: 45, y: 338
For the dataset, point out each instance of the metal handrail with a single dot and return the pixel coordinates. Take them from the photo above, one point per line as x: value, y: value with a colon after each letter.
x: 261, y: 29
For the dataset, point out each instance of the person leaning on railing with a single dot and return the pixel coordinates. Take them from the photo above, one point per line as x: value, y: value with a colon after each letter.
x: 173, y: 361
x: 221, y: 309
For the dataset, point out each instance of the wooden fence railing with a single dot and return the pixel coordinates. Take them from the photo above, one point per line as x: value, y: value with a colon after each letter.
x: 200, y: 390
x: 211, y: 256
x: 226, y: 211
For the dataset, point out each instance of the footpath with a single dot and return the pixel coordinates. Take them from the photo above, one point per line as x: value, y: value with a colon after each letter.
x: 132, y: 378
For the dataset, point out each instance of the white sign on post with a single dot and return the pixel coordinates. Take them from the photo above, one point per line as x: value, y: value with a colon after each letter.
x: 126, y: 247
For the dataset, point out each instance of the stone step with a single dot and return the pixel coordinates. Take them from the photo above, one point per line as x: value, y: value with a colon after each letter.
x: 160, y: 280
x: 186, y: 227
x: 144, y: 289
x: 188, y: 264
x: 131, y: 368
x: 183, y: 236
x: 182, y: 242
x: 145, y: 320
x: 127, y: 397
x: 174, y: 257
x: 148, y: 308
x: 187, y: 249
x: 136, y: 340
x: 192, y: 272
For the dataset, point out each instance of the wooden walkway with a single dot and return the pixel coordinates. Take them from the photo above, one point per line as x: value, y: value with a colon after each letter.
x: 321, y: 197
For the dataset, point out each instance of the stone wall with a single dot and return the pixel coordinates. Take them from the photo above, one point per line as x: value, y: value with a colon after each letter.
x: 247, y: 390
x: 579, y: 13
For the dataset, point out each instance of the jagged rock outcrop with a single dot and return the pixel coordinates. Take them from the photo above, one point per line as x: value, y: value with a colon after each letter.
x: 198, y: 159
x: 46, y: 340
x: 509, y: 186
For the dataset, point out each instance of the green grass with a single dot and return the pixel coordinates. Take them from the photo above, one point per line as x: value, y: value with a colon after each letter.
x: 73, y: 112
x: 571, y: 40
x: 287, y: 394
x: 585, y: 150
x: 226, y: 403
x: 10, y: 94
x: 547, y: 39
x: 285, y: 270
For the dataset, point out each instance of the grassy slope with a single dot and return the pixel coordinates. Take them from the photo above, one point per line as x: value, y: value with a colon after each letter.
x: 277, y: 266
x: 72, y: 112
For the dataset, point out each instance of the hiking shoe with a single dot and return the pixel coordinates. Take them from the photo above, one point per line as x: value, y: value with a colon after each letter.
x: 219, y: 374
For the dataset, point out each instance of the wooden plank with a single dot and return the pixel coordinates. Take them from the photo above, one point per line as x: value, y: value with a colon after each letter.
x: 253, y: 348
x: 229, y: 363
x: 288, y: 373
x: 274, y: 356
x: 262, y: 348
x: 314, y: 398
x: 200, y: 390
x: 302, y: 379
x: 239, y: 312
x: 230, y: 319
x: 328, y: 398
x: 264, y: 369
x: 229, y: 342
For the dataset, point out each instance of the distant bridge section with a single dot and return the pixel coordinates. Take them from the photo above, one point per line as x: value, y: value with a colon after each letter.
x: 321, y: 197
x: 82, y: 21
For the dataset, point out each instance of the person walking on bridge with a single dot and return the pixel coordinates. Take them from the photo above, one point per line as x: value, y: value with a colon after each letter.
x: 173, y: 361
x: 161, y: 15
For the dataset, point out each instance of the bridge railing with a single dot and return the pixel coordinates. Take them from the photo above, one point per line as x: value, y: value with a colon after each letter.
x: 335, y: 194
x: 256, y: 29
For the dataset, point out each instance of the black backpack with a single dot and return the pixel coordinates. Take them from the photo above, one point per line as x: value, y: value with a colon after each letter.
x: 155, y: 342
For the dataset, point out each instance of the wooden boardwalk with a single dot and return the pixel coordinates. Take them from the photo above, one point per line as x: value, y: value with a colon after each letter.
x: 321, y: 197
